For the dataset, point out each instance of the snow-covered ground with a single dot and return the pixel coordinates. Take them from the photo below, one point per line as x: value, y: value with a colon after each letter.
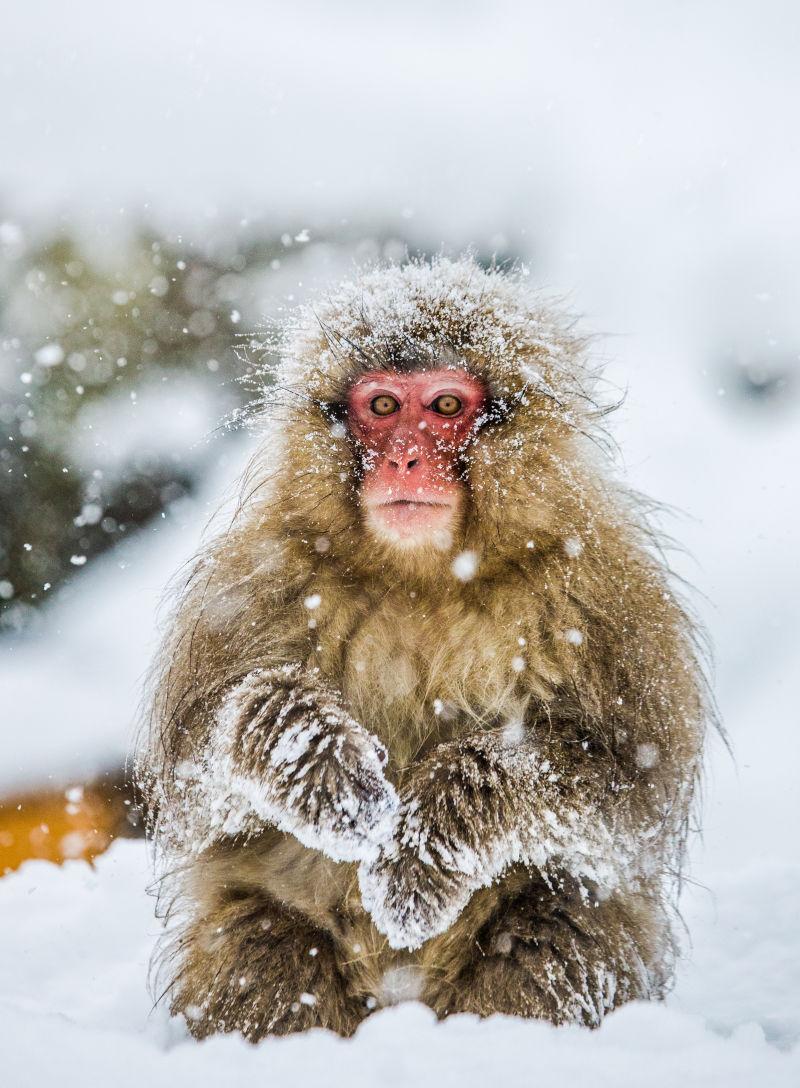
x: 74, y: 947
x: 646, y: 159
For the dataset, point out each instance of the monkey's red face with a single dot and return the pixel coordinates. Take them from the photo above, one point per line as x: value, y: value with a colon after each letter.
x: 411, y: 428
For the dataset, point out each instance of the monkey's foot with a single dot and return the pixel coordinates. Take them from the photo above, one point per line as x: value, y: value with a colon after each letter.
x: 253, y: 966
x: 547, y: 954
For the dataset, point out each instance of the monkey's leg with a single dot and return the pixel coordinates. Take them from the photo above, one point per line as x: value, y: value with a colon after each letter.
x: 550, y: 955
x: 255, y: 966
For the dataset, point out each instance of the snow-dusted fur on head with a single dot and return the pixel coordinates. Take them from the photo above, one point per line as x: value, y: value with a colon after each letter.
x: 540, y: 415
x: 534, y: 689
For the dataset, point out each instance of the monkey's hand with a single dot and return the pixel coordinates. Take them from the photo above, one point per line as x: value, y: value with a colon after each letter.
x: 413, y: 889
x: 455, y: 806
x: 301, y: 762
x: 469, y: 812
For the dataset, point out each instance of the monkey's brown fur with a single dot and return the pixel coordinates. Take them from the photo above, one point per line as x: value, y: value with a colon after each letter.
x: 543, y: 720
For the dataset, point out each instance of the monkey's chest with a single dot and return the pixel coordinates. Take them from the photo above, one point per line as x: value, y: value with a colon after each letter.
x: 418, y: 677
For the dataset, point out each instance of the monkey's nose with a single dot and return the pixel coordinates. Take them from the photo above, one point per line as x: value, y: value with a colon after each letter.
x: 403, y: 463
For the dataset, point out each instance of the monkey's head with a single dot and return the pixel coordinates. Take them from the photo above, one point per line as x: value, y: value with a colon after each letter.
x: 429, y: 410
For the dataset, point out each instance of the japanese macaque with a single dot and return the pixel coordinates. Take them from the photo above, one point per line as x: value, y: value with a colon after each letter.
x: 428, y: 718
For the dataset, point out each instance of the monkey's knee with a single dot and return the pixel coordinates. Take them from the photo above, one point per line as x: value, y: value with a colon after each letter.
x: 253, y: 966
x: 553, y: 956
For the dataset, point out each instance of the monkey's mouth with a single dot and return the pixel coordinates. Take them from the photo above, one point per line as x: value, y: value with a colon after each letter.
x: 410, y: 522
x: 414, y: 503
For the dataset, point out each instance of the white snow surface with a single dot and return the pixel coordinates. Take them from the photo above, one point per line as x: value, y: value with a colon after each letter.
x: 74, y: 949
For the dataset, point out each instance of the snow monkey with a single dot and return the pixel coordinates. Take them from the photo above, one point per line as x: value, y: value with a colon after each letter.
x: 428, y: 718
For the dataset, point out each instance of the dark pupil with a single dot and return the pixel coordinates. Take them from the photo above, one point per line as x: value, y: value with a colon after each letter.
x: 448, y: 405
x: 384, y: 405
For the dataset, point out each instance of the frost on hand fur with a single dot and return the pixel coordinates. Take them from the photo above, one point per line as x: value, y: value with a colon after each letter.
x: 519, y: 812
x: 284, y: 752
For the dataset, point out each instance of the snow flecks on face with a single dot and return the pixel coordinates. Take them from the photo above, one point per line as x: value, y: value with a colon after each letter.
x: 573, y: 546
x: 518, y: 663
x: 534, y: 377
x: 313, y: 601
x: 465, y: 566
x: 322, y: 545
x: 445, y: 312
x: 531, y: 374
x: 573, y: 636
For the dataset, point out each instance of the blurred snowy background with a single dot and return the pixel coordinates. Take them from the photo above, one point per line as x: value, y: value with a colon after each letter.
x: 172, y: 173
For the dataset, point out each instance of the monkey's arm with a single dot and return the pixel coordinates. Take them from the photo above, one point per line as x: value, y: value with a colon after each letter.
x: 481, y: 804
x: 283, y: 751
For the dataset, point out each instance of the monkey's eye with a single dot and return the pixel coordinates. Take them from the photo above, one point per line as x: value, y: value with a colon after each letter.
x: 384, y: 405
x: 447, y: 405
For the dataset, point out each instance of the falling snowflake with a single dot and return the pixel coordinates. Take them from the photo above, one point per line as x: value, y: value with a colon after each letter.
x: 573, y: 546
x: 49, y: 355
x: 646, y: 755
x: 464, y: 566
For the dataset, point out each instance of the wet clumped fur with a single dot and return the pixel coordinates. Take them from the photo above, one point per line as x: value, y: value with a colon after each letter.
x: 471, y: 766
